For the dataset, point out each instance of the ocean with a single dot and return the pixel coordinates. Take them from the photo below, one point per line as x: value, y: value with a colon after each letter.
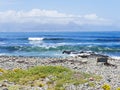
x: 51, y: 44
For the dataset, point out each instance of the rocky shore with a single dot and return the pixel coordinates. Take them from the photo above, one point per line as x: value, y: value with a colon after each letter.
x: 110, y: 73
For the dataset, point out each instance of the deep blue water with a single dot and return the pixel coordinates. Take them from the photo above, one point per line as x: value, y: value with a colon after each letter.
x: 53, y: 43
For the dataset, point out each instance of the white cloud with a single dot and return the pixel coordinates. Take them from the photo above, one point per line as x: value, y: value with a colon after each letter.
x: 91, y: 17
x: 50, y: 17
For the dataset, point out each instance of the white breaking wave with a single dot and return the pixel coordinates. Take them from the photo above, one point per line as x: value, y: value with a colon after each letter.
x: 35, y: 39
x: 1, y: 54
x: 1, y: 43
x: 116, y: 57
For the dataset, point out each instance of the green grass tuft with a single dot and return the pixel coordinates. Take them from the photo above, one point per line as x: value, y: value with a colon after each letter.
x: 58, y: 76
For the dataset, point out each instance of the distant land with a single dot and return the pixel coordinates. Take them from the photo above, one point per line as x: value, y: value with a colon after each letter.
x: 36, y: 27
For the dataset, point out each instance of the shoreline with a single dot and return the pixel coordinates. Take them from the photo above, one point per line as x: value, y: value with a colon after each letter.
x: 109, y: 74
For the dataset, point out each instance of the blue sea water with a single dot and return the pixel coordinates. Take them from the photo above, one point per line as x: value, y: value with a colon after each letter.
x: 51, y: 44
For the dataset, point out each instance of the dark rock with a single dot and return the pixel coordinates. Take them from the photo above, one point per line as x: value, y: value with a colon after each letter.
x: 20, y: 61
x: 67, y: 51
x: 108, y: 80
x: 75, y: 68
x: 102, y: 59
x: 4, y: 85
x: 5, y: 89
x: 108, y: 64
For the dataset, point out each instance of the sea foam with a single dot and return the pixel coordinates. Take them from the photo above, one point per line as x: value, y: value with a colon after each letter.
x: 35, y: 39
x: 116, y: 57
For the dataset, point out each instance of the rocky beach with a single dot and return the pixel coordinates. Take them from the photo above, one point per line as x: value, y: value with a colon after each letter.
x: 110, y: 73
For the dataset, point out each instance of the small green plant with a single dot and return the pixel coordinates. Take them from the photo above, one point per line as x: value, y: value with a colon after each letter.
x: 106, y: 87
x: 38, y: 83
x: 50, y: 82
x: 14, y: 87
x: 41, y: 85
x: 118, y: 88
x: 91, y: 84
x: 97, y: 78
x: 59, y: 86
x: 2, y: 70
x: 16, y: 69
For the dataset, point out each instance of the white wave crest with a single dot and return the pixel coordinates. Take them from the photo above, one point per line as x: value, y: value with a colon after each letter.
x: 2, y: 54
x: 116, y: 57
x: 1, y: 43
x: 35, y: 39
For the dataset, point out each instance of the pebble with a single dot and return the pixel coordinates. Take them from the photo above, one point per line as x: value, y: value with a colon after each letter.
x: 91, y: 79
x: 5, y: 88
x: 111, y: 75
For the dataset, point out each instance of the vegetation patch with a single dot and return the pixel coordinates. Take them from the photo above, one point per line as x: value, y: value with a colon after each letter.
x: 106, y: 87
x: 57, y: 77
x: 118, y: 88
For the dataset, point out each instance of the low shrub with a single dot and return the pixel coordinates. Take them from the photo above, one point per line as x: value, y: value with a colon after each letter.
x: 58, y: 75
x: 106, y: 87
x: 118, y: 88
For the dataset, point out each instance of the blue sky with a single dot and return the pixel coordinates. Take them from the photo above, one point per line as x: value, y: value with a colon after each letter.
x: 88, y: 12
x: 104, y: 8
